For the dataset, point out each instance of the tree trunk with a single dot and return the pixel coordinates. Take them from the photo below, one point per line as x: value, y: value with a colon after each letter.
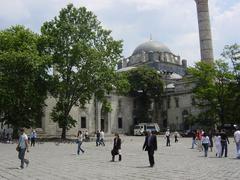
x: 15, y: 133
x: 63, y: 132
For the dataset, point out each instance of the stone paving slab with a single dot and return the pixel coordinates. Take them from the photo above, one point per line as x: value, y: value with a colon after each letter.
x: 49, y: 161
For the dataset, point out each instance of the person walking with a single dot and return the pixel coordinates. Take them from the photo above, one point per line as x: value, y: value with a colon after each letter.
x: 116, y: 147
x: 22, y: 147
x: 198, y: 140
x: 237, y: 141
x: 210, y: 135
x: 205, y: 143
x: 79, y: 142
x: 224, y: 143
x: 87, y: 139
x: 218, y: 145
x: 150, y: 145
x: 102, y: 138
x: 176, y: 135
x: 97, y: 138
x: 33, y: 137
x: 193, y: 139
x: 167, y: 135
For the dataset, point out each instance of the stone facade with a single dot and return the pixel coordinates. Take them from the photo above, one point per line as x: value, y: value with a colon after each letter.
x: 92, y: 118
x: 177, y: 101
x: 172, y: 110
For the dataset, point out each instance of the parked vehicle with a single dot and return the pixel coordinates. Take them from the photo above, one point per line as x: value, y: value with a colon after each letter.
x: 141, y: 128
x: 187, y: 133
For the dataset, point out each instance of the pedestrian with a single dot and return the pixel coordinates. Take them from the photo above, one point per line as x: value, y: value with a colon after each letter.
x: 193, y: 139
x: 33, y: 137
x: 97, y: 138
x: 205, y: 143
x: 102, y: 138
x: 176, y: 135
x: 86, y: 136
x: 150, y: 145
x: 22, y: 147
x: 210, y: 135
x: 198, y: 140
x: 218, y: 145
x: 224, y: 143
x: 237, y: 141
x: 79, y: 142
x: 167, y: 136
x: 116, y: 147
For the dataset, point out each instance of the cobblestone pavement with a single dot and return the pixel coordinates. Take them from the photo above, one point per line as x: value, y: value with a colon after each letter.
x: 49, y: 161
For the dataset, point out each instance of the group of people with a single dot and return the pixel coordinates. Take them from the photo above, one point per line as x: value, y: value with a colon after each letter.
x: 176, y: 135
x: 204, y: 141
x: 100, y: 141
x: 100, y: 138
x: 200, y: 138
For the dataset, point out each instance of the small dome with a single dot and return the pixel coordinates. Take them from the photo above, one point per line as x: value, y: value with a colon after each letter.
x: 151, y: 46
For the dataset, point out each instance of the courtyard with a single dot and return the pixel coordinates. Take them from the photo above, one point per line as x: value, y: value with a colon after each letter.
x: 50, y: 161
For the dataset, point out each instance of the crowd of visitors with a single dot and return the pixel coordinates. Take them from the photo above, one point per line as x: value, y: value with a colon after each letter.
x: 201, y: 140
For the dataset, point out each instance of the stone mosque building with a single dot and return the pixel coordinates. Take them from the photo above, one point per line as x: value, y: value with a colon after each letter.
x: 177, y: 100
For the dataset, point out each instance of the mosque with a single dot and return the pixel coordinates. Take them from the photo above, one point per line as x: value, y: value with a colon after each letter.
x: 177, y: 101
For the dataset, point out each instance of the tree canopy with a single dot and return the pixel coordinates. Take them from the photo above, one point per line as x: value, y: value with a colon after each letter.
x: 146, y: 86
x: 84, y: 57
x: 22, y: 71
x: 213, y: 91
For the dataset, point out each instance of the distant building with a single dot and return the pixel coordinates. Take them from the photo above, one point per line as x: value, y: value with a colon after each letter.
x: 172, y: 111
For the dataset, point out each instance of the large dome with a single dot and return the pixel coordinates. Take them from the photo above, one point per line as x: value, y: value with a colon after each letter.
x: 149, y: 46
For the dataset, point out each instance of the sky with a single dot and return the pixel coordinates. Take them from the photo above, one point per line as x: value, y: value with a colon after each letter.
x: 172, y: 22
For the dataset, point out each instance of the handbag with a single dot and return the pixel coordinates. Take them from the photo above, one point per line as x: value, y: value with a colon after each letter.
x: 17, y: 148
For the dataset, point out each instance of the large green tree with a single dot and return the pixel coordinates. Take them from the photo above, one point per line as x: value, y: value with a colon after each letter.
x: 147, y: 87
x: 232, y: 53
x: 212, y: 90
x: 84, y: 59
x: 23, y: 73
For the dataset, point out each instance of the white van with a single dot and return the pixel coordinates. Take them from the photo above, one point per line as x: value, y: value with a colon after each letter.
x: 140, y: 128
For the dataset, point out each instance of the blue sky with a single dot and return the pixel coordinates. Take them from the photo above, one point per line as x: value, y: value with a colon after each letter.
x: 172, y: 22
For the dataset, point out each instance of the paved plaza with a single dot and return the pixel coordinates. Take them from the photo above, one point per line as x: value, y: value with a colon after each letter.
x: 49, y: 161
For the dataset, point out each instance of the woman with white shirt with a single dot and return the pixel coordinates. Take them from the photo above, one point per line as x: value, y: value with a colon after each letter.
x: 218, y: 145
x: 79, y: 141
x: 205, y: 143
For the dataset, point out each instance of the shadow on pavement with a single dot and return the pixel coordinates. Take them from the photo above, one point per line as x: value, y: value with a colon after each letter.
x: 142, y: 167
x: 12, y: 168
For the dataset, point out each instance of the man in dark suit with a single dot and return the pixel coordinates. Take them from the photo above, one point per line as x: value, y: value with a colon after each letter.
x: 116, y: 147
x: 150, y: 145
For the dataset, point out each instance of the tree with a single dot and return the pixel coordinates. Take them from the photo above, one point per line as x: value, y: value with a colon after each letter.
x: 232, y: 53
x: 146, y: 86
x: 84, y: 59
x: 212, y: 90
x: 23, y: 73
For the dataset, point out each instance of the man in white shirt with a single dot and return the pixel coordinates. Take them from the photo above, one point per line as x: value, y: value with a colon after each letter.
x: 102, y: 138
x: 167, y: 135
x: 237, y: 141
x: 22, y: 147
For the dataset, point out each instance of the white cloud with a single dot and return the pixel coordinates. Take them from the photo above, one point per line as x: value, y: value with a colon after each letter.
x: 173, y: 22
x: 226, y: 25
x: 13, y: 10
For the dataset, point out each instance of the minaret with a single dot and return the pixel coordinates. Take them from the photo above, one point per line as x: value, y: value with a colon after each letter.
x: 204, y: 31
